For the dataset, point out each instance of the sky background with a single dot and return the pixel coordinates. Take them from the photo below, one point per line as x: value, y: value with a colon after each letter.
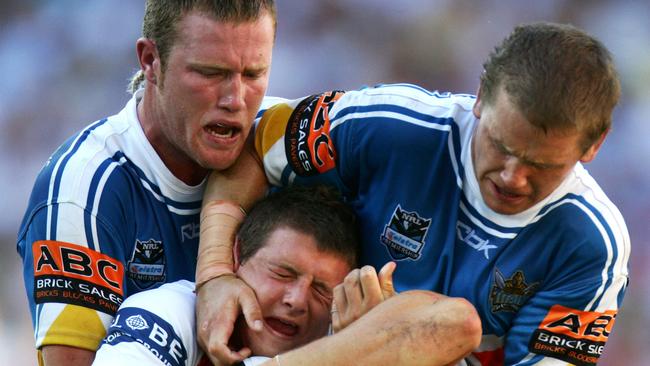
x: 66, y: 63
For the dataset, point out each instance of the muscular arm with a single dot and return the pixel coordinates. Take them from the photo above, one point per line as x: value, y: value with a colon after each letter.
x: 69, y: 325
x: 412, y: 328
x: 242, y: 184
x: 221, y: 295
x: 54, y: 355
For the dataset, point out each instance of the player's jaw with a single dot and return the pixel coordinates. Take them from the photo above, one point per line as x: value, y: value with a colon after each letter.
x: 279, y: 334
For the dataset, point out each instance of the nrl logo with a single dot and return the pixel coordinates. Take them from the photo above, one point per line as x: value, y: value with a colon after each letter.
x: 509, y: 294
x: 404, y: 235
x: 147, y: 264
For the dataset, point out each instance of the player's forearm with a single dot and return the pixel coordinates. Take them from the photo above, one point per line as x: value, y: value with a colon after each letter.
x: 219, y: 223
x: 226, y: 196
x: 244, y: 183
x: 413, y: 328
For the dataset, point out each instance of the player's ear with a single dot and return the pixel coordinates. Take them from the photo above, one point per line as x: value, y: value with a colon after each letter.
x: 591, y: 152
x: 476, y: 109
x: 235, y: 254
x: 149, y: 59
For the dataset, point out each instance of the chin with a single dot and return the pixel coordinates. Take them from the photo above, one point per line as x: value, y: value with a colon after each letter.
x: 222, y: 163
x: 265, y: 345
x: 217, y: 159
x: 267, y: 349
x: 505, y: 209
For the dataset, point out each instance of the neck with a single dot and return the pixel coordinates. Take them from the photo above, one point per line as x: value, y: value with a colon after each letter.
x: 177, y: 161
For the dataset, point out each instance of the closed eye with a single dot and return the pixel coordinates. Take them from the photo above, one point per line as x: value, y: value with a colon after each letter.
x: 209, y: 72
x: 212, y: 73
x: 282, y: 274
x: 254, y: 74
x: 500, y: 147
x: 323, y: 291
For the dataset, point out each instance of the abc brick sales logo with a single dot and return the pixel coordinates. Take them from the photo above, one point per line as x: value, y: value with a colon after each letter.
x: 571, y: 335
x: 308, y: 145
x: 73, y: 274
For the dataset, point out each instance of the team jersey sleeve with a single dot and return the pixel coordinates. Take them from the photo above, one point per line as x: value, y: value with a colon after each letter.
x: 72, y: 241
x: 74, y: 286
x: 154, y: 327
x: 294, y: 140
x: 573, y: 311
x: 353, y: 139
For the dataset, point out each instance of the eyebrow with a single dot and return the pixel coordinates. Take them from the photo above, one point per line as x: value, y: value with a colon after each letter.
x: 220, y: 68
x: 315, y: 281
x: 504, y: 149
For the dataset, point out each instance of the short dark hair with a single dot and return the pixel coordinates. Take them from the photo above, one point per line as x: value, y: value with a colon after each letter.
x: 317, y: 211
x: 559, y: 77
x: 162, y: 16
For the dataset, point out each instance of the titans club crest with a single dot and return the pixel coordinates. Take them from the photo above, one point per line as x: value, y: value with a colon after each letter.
x: 510, y: 294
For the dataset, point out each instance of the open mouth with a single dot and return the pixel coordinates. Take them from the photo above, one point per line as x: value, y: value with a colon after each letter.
x: 284, y: 328
x: 221, y: 130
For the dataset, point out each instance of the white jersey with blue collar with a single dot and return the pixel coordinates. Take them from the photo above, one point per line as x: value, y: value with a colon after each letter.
x: 547, y: 282
x: 106, y: 219
x: 157, y: 328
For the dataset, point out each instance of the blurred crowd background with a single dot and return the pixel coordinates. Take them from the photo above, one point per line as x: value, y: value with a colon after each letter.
x: 65, y: 63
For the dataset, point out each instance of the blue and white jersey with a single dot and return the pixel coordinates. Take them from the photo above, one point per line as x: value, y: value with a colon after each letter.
x: 106, y: 219
x: 156, y: 327
x: 547, y: 282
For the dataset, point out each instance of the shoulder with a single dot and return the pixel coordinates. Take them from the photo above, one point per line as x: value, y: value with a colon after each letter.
x: 413, y: 107
x: 581, y: 207
x: 396, y: 98
x: 157, y: 322
x: 412, y: 97
x: 171, y: 304
x: 81, y: 162
x: 587, y: 228
x: 170, y: 301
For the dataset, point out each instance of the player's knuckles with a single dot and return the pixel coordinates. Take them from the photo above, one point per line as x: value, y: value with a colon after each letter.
x: 217, y: 354
x: 352, y: 278
x: 368, y: 273
x: 369, y: 277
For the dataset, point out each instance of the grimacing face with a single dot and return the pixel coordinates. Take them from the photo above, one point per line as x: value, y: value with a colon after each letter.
x: 294, y: 283
x: 206, y: 100
x: 517, y: 164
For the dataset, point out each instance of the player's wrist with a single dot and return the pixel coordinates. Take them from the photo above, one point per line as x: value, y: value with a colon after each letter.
x: 222, y: 207
x: 210, y: 275
x: 219, y: 222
